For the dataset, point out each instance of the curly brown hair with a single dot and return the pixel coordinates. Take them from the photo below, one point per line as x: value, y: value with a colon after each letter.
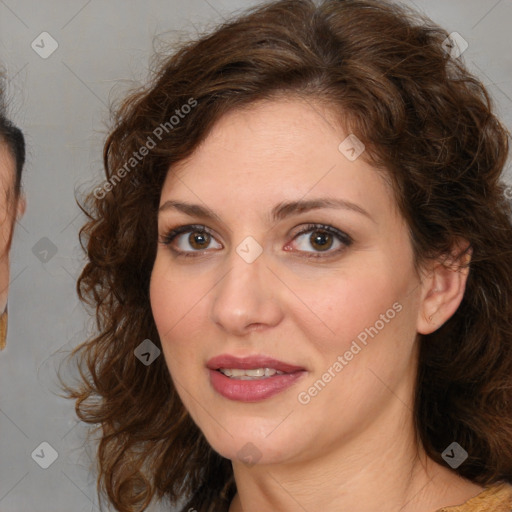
x: 424, y: 119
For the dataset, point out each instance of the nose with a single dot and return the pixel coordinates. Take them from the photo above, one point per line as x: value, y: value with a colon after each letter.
x: 247, y: 297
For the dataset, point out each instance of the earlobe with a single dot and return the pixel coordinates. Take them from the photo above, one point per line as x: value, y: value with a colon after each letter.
x: 442, y: 291
x: 22, y: 206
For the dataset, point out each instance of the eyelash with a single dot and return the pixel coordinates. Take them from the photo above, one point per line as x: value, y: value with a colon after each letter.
x: 344, y: 238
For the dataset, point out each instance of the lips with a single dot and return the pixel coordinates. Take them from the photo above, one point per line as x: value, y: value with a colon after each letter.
x: 251, y: 363
x: 252, y: 390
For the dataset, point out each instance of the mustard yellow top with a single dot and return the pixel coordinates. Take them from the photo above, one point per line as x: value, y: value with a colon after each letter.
x: 497, y: 498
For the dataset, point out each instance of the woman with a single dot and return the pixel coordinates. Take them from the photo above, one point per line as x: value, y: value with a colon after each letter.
x: 12, y: 204
x: 301, y: 267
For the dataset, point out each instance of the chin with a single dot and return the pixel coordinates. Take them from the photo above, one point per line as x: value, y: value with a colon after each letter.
x: 254, y: 444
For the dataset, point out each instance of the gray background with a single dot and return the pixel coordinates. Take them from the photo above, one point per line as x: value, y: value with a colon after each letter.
x: 61, y: 103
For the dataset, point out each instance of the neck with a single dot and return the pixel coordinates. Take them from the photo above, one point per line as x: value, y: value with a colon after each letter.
x: 381, y: 468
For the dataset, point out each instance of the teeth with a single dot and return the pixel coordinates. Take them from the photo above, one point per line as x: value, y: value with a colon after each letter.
x: 252, y: 374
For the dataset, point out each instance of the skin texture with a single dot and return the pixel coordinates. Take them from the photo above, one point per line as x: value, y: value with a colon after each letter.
x: 352, y: 447
x: 7, y: 211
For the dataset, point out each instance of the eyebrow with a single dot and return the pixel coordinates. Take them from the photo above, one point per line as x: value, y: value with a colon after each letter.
x: 279, y: 212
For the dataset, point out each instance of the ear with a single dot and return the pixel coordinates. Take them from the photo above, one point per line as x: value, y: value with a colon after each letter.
x: 21, y: 207
x: 443, y: 287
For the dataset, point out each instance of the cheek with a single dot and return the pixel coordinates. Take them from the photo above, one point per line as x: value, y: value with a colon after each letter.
x: 5, y: 231
x: 4, y: 282
x: 171, y: 296
x: 178, y: 305
x: 340, y: 307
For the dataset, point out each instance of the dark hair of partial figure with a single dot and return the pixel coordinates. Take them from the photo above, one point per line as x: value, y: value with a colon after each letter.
x: 13, y: 138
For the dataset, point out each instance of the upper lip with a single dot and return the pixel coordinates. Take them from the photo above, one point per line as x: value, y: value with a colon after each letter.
x: 250, y: 363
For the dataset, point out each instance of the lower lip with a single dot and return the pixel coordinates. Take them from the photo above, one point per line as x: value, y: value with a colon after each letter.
x: 252, y: 390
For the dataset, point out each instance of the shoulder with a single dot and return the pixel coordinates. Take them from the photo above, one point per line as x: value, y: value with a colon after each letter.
x: 495, y: 498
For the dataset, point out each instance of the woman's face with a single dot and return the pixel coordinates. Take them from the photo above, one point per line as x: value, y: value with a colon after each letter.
x: 330, y: 290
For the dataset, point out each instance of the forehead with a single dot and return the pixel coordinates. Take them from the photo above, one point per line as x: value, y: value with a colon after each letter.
x: 268, y: 129
x: 280, y: 139
x: 273, y: 149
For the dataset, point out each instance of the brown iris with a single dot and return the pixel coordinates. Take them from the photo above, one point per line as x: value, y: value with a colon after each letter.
x: 199, y: 239
x: 321, y: 239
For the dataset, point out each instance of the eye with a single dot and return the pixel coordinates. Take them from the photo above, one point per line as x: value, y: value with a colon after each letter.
x: 198, y: 239
x: 322, y: 239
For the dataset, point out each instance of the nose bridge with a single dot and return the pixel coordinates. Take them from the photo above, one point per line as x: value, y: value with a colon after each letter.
x: 243, y: 296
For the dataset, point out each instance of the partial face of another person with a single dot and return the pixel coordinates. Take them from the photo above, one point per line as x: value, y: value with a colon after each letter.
x: 8, y: 212
x: 329, y: 289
